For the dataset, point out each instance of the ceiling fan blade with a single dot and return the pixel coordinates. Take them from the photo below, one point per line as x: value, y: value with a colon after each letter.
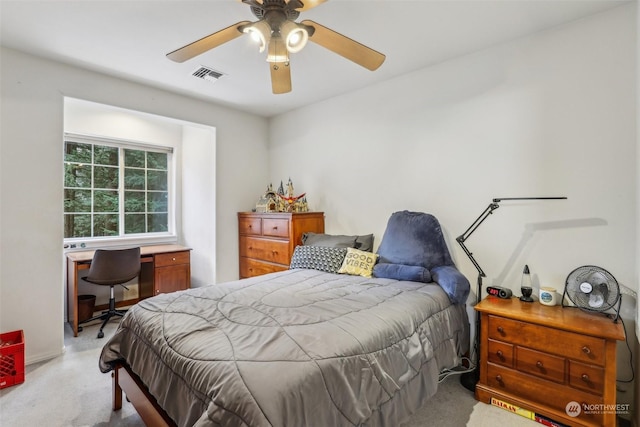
x: 280, y: 77
x: 344, y: 46
x: 255, y: 3
x: 207, y: 43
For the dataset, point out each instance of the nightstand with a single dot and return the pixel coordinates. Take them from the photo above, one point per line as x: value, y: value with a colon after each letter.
x: 544, y: 358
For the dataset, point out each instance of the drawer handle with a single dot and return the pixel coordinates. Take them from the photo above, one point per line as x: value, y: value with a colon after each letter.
x: 499, y: 378
x: 501, y: 329
x: 500, y: 354
x: 585, y: 378
x: 539, y: 364
x: 173, y: 259
x: 275, y: 228
x: 586, y: 350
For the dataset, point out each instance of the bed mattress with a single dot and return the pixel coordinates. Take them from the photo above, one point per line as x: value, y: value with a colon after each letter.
x: 293, y: 348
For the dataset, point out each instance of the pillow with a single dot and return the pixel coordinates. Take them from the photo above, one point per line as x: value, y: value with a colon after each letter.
x: 364, y: 242
x: 318, y: 258
x: 358, y: 263
x: 313, y: 239
x: 453, y: 282
x: 414, y: 238
x: 413, y: 273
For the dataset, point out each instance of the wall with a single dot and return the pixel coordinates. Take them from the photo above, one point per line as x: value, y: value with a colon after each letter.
x: 553, y: 114
x: 549, y: 115
x: 199, y: 202
x: 31, y: 122
x: 637, y: 359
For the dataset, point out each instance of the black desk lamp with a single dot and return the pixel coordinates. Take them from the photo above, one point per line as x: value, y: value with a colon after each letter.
x: 469, y: 379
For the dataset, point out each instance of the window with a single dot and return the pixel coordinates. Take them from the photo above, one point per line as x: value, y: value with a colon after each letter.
x: 115, y: 188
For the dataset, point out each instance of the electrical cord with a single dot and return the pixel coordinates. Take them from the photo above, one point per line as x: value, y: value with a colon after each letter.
x: 458, y: 370
x: 633, y: 375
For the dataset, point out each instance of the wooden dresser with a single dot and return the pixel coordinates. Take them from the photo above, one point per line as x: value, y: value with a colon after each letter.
x: 267, y: 240
x: 547, y: 359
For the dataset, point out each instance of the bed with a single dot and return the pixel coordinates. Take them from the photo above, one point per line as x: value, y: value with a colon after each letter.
x: 302, y: 347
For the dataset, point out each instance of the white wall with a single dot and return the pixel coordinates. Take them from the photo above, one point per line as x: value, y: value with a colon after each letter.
x: 31, y: 122
x: 637, y: 278
x: 199, y: 203
x: 553, y: 114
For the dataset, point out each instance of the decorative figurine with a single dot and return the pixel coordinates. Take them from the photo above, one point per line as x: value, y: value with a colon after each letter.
x: 268, y: 202
x: 273, y: 201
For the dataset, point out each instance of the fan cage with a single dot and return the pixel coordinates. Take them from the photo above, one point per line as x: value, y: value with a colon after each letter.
x: 603, y: 295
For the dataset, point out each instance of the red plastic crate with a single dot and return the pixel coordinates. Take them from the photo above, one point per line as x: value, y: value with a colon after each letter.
x: 11, y: 358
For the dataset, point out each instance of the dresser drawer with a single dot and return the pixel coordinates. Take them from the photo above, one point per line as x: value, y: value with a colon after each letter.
x: 540, y: 364
x: 537, y: 390
x: 586, y: 377
x: 171, y: 258
x: 268, y: 250
x: 251, y: 267
x: 275, y: 227
x: 568, y: 344
x: 501, y: 353
x: 250, y: 226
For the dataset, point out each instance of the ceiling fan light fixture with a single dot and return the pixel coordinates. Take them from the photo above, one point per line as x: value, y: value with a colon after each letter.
x: 295, y: 36
x: 277, y: 51
x: 259, y: 31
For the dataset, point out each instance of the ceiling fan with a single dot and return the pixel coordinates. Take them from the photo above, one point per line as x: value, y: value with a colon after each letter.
x: 277, y: 31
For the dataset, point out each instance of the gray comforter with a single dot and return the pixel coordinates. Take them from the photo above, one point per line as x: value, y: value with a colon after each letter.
x: 295, y: 348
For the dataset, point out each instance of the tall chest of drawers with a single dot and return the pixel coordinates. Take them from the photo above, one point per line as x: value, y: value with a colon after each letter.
x: 267, y: 240
x: 558, y: 362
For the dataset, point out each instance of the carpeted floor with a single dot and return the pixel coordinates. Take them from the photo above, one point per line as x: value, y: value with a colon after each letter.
x: 70, y: 391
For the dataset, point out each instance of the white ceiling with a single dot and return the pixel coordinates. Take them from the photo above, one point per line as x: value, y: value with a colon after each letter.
x: 130, y: 39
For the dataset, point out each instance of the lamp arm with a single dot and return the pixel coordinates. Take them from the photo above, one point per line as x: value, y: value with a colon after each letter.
x: 474, y: 226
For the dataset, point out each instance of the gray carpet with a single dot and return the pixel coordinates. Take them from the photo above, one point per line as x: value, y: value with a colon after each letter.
x: 70, y: 391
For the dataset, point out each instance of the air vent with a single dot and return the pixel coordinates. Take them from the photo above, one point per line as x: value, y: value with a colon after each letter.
x: 208, y: 74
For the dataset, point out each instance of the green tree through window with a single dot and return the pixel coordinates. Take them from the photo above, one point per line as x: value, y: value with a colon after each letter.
x: 114, y: 190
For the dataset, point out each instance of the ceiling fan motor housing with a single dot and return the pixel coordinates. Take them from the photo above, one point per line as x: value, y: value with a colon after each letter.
x: 285, y: 10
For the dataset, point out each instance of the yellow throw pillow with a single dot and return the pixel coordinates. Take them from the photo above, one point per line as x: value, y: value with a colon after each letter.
x: 358, y: 263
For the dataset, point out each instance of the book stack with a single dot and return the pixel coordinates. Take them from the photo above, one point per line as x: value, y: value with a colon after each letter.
x: 514, y: 409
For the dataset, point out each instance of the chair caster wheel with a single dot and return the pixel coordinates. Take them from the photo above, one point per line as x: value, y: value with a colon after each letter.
x: 100, y: 334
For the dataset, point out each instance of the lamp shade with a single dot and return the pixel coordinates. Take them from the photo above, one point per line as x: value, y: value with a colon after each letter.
x: 294, y: 35
x: 277, y: 50
x: 259, y: 31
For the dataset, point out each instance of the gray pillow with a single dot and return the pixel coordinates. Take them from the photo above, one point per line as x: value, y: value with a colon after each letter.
x: 318, y: 258
x: 364, y: 243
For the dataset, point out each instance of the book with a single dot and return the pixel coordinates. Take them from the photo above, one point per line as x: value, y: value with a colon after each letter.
x: 513, y: 408
x: 548, y: 421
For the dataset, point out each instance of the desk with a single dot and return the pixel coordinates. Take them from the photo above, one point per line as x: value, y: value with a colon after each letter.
x: 164, y: 268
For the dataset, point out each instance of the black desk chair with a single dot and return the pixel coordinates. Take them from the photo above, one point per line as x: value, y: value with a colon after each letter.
x: 111, y: 268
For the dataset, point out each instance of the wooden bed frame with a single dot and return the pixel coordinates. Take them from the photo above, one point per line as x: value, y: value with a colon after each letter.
x: 138, y: 394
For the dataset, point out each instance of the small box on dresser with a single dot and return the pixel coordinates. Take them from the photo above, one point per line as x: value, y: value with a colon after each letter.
x: 544, y: 358
x: 267, y: 240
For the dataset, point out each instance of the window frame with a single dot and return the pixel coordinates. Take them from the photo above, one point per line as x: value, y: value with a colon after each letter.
x: 168, y: 236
